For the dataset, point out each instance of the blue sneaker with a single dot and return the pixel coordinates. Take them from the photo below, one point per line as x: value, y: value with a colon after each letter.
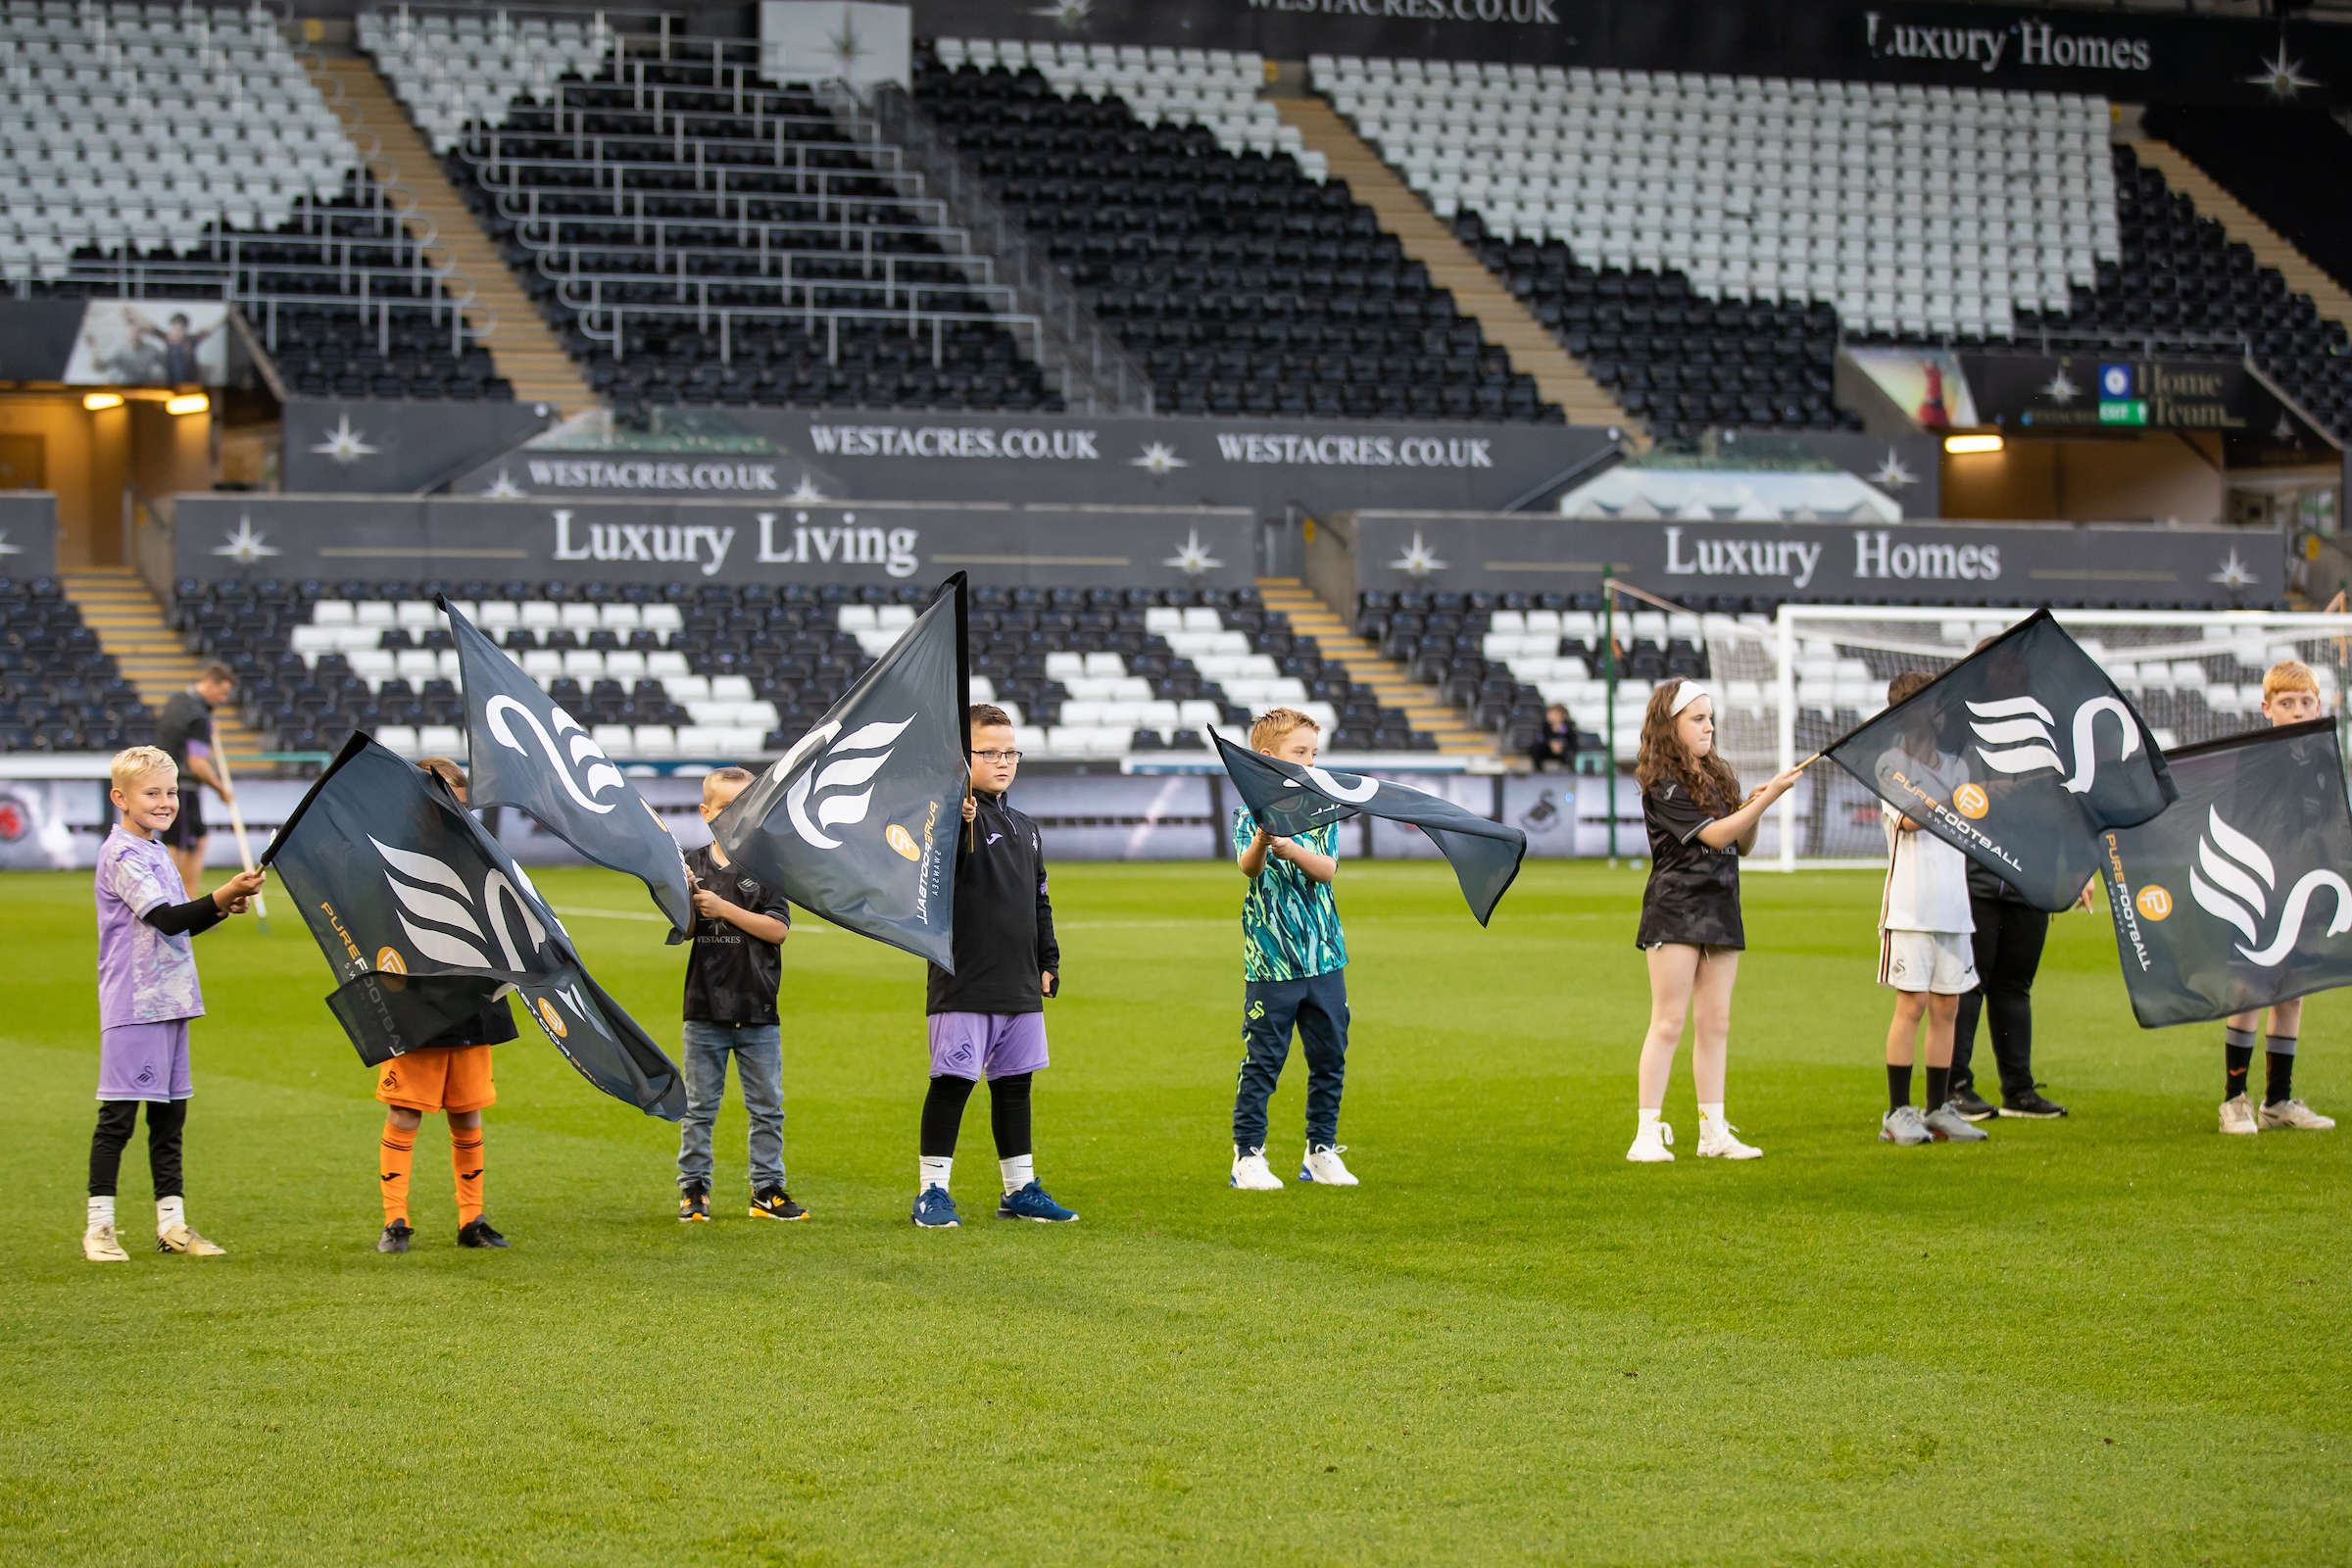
x: 934, y: 1209
x: 1032, y: 1203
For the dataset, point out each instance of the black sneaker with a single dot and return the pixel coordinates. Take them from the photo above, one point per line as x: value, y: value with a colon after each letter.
x: 478, y: 1233
x: 395, y: 1237
x: 774, y: 1203
x: 693, y: 1205
x: 2031, y: 1104
x: 1971, y: 1106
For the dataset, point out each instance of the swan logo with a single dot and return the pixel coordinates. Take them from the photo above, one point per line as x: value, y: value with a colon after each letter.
x: 2014, y: 736
x: 580, y: 756
x: 822, y: 798
x: 2233, y: 880
x: 452, y: 924
x: 1356, y: 793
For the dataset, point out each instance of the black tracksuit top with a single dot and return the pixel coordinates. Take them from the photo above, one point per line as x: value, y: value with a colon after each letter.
x: 1004, y: 919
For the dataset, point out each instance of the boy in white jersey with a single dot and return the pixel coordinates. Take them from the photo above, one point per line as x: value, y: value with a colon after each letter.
x: 1925, y: 955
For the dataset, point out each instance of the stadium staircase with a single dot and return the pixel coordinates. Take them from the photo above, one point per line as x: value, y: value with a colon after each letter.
x: 130, y: 625
x: 1453, y: 268
x: 2271, y: 249
x: 525, y: 351
x: 1385, y: 679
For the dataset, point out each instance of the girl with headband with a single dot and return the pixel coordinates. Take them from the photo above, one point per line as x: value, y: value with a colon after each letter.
x: 1690, y: 928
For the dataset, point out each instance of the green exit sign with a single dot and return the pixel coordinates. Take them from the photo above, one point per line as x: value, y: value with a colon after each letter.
x: 2130, y: 411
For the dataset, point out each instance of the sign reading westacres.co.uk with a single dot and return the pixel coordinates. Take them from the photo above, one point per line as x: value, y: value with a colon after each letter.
x: 1954, y: 562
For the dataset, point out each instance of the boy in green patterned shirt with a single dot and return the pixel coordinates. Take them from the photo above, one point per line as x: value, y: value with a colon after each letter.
x: 1295, y: 973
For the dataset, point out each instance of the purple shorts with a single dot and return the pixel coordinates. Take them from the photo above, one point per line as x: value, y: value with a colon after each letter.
x: 995, y: 1045
x: 145, y: 1061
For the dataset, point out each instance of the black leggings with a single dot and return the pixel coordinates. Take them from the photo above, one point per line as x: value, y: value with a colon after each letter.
x: 166, y: 1119
x: 1007, y: 1115
x: 2008, y: 950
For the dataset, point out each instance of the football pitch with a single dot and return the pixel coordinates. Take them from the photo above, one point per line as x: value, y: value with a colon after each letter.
x: 2119, y: 1337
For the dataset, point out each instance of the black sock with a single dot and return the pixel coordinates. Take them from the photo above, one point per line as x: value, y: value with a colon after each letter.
x: 942, y: 1115
x: 1898, y: 1086
x: 2237, y: 1055
x: 1939, y: 1087
x: 2278, y: 1068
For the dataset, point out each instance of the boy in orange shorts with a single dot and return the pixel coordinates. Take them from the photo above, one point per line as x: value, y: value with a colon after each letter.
x: 449, y: 1074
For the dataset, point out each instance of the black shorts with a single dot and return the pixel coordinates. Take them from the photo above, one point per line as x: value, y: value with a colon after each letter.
x: 187, y: 829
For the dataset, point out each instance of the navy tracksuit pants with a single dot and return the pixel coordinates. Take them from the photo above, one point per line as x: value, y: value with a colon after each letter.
x: 1270, y: 1008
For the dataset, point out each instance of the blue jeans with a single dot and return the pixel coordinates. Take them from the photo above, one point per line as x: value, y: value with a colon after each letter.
x: 1318, y: 1007
x: 758, y: 1052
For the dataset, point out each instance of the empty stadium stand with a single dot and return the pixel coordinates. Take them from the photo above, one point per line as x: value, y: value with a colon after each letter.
x: 707, y: 672
x: 184, y: 151
x: 701, y: 235
x: 1196, y: 234
x: 60, y: 691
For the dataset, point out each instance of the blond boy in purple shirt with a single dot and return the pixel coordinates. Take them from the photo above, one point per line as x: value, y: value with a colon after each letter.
x: 147, y: 992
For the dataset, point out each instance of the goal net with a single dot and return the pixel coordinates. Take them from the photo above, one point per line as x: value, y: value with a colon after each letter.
x: 1790, y: 687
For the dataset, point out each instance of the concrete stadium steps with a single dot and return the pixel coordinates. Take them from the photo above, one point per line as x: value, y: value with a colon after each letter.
x: 130, y: 625
x: 2270, y: 247
x: 1453, y: 268
x: 524, y: 348
x: 1387, y: 680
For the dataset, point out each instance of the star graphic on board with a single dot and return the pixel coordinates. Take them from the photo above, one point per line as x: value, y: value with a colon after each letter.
x: 847, y: 47
x: 1893, y: 473
x: 2283, y: 77
x: 506, y: 489
x: 7, y: 549
x: 1068, y: 12
x: 343, y: 443
x: 2285, y: 429
x: 2060, y: 388
x: 806, y: 491
x: 245, y: 546
x: 1191, y: 557
x: 2234, y: 573
x: 1159, y: 459
x: 1418, y: 559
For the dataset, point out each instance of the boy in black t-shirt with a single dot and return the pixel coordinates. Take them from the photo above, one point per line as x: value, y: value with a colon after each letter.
x: 733, y: 968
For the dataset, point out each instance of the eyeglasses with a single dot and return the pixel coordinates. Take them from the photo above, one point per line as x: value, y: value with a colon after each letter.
x: 998, y: 756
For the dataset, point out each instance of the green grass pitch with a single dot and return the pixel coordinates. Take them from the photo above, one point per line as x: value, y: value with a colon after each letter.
x: 2119, y: 1337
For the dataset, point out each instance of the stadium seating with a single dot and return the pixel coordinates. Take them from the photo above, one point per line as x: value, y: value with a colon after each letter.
x: 1197, y: 235
x: 706, y: 671
x: 184, y: 151
x: 702, y: 236
x: 59, y: 690
x: 455, y: 69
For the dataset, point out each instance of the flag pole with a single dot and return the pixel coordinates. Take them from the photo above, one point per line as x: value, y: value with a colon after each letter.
x: 1608, y: 675
x: 236, y: 822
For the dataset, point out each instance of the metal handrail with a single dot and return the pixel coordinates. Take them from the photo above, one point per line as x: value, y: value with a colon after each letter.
x: 1095, y: 363
x: 889, y: 285
x: 725, y: 318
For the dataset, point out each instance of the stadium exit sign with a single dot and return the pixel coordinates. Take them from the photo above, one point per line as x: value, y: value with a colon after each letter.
x: 2126, y: 411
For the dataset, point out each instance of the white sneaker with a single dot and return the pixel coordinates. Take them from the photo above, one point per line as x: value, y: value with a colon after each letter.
x: 99, y: 1245
x: 1251, y: 1174
x: 2237, y: 1116
x: 1322, y: 1165
x: 1650, y: 1145
x: 1720, y: 1140
x: 179, y: 1239
x: 2293, y: 1113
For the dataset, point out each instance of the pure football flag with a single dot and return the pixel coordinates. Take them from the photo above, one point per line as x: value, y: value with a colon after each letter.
x: 2235, y: 898
x: 2018, y: 755
x: 1287, y: 799
x: 525, y: 752
x: 858, y: 821
x: 424, y: 921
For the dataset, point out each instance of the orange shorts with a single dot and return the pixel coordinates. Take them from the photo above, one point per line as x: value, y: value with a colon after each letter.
x: 438, y: 1078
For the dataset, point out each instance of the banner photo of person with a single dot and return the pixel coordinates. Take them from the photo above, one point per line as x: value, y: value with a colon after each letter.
x: 2018, y: 757
x: 2235, y: 898
x: 424, y: 921
x: 1287, y: 799
x: 150, y: 343
x: 528, y: 753
x: 858, y: 824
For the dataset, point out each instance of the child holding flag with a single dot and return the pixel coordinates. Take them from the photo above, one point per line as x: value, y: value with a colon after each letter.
x: 2290, y: 695
x: 1690, y: 925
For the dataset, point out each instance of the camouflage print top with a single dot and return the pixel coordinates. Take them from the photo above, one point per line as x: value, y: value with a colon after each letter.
x: 1289, y: 921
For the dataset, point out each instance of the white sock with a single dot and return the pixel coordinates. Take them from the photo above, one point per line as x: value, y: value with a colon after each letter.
x: 1711, y: 1114
x: 932, y: 1171
x: 102, y: 1212
x: 1018, y: 1172
x: 170, y: 1211
x: 1649, y: 1117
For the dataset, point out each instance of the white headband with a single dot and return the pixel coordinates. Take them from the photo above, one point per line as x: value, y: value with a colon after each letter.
x: 1685, y: 695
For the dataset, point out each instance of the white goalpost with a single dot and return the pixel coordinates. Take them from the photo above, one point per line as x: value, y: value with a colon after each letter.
x: 1787, y: 688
